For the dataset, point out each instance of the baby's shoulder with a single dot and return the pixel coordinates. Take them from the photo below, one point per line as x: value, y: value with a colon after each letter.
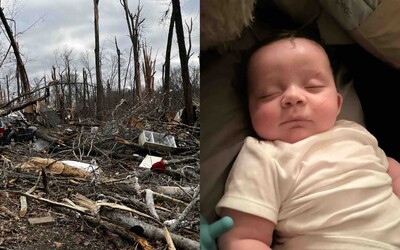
x: 251, y: 140
x: 254, y: 144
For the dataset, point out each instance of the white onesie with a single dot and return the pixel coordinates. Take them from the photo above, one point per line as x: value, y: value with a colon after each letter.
x: 328, y: 191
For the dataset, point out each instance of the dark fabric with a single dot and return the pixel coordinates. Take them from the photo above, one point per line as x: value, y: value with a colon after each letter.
x: 376, y: 84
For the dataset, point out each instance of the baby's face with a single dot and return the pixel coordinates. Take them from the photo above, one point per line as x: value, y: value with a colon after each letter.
x: 292, y: 93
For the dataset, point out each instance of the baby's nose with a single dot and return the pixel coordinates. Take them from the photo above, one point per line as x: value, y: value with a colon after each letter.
x: 293, y: 96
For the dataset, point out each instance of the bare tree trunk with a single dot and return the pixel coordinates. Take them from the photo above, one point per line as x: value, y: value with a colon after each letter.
x: 108, y: 92
x: 67, y: 61
x: 89, y: 81
x: 136, y: 27
x: 20, y: 64
x: 76, y: 101
x: 2, y: 95
x: 18, y: 83
x: 126, y: 76
x: 119, y: 67
x: 8, y: 89
x: 61, y: 97
x: 187, y: 87
x: 99, y: 84
x: 85, y: 86
x: 56, y: 88
x: 167, y: 65
x: 47, y: 100
x: 189, y: 29
x: 134, y: 24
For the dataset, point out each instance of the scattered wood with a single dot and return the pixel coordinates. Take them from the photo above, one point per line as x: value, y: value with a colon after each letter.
x: 168, y: 239
x: 174, y: 190
x: 24, y: 105
x: 10, y: 214
x: 24, y: 206
x: 150, y: 203
x: 40, y: 220
x: 151, y: 231
x: 53, y: 166
x: 121, y: 231
x: 125, y: 208
x: 49, y: 138
x: 176, y: 223
x: 138, y: 203
x: 170, y: 199
x: 72, y: 207
x: 36, y: 183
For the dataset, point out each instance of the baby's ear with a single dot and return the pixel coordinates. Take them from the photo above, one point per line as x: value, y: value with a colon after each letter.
x: 340, y: 102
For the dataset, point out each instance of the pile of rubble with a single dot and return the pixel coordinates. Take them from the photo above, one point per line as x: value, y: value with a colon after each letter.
x: 135, y: 177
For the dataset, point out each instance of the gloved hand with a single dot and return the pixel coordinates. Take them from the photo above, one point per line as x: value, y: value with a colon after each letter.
x: 210, y: 232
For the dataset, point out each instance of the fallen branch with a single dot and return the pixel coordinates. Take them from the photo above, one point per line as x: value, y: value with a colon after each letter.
x: 8, y: 212
x: 170, y: 199
x: 120, y: 231
x: 150, y: 205
x: 150, y: 231
x: 22, y: 106
x: 24, y: 203
x: 75, y: 208
x: 124, y: 232
x: 136, y: 203
x: 46, y: 137
x: 178, y: 221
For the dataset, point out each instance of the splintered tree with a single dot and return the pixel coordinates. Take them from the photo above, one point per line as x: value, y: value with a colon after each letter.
x: 67, y: 58
x: 148, y: 67
x: 88, y: 81
x: 99, y: 84
x: 134, y: 25
x: 119, y: 66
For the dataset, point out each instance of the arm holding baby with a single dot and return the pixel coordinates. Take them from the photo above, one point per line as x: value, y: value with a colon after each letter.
x: 394, y: 172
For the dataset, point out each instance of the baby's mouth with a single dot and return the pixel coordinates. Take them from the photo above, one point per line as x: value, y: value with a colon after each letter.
x: 295, y: 119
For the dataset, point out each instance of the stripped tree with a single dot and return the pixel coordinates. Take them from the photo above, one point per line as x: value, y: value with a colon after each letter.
x: 167, y: 64
x: 148, y: 68
x: 99, y: 84
x: 184, y: 58
x: 119, y: 66
x: 134, y: 22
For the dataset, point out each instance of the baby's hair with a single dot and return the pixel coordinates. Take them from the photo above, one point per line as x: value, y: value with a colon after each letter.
x: 286, y: 34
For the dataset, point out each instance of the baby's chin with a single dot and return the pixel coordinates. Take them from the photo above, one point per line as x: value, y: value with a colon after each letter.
x: 292, y: 138
x: 299, y: 135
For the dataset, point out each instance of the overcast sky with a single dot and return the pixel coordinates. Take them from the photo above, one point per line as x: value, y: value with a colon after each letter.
x: 47, y: 27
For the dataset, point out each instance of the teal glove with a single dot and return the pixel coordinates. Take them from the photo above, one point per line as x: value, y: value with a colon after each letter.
x: 210, y: 232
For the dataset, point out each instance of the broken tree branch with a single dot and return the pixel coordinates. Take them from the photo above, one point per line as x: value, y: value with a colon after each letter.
x: 150, y: 231
x: 24, y: 105
x: 174, y: 226
x: 120, y: 231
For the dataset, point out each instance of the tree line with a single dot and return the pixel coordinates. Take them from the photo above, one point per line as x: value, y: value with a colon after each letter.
x: 87, y: 88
